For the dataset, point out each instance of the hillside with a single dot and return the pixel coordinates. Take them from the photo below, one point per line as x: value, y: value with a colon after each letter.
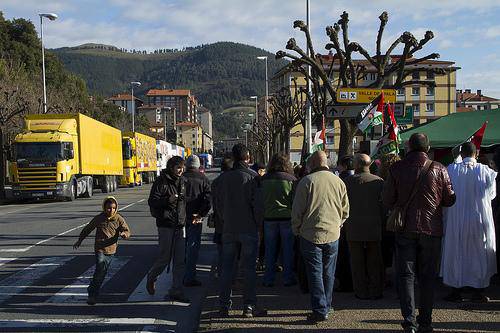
x: 221, y: 75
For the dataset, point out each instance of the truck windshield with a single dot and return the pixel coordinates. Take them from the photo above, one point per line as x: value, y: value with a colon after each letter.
x: 127, y: 150
x: 39, y: 151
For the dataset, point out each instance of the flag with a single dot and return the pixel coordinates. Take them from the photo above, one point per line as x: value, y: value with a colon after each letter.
x: 320, y: 138
x: 476, y: 138
x: 389, y: 143
x: 372, y: 114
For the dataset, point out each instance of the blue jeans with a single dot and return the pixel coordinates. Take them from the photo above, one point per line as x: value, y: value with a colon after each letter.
x: 274, y: 230
x: 102, y: 262
x: 230, y: 245
x: 320, y: 260
x: 193, y: 241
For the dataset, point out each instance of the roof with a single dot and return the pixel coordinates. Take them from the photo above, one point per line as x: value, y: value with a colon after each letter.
x: 452, y: 130
x: 465, y: 109
x: 123, y: 97
x: 187, y: 124
x: 168, y: 92
x: 471, y: 97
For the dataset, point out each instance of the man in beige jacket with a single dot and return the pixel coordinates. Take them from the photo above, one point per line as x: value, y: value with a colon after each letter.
x: 319, y: 209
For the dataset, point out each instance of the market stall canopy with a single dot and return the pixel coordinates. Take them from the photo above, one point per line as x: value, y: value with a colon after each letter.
x: 454, y: 129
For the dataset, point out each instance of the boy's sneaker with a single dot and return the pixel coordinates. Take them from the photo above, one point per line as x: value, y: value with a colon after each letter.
x: 91, y: 300
x: 150, y: 287
x: 251, y: 311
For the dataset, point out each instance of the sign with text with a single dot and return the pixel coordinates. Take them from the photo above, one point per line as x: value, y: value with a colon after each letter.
x: 337, y: 111
x: 403, y: 115
x: 364, y: 95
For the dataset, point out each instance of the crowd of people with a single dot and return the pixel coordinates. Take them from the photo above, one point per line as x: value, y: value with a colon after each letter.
x: 328, y: 230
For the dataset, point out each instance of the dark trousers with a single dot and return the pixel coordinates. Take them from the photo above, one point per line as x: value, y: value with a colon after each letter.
x: 102, y: 263
x: 320, y: 260
x: 193, y: 242
x: 343, y: 266
x: 274, y: 231
x: 367, y: 268
x: 231, y: 244
x: 418, y: 256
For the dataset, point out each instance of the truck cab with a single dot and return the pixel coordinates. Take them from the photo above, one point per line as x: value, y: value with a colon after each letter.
x: 45, y: 161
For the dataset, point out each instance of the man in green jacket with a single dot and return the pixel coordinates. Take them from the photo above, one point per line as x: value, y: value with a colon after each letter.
x: 319, y: 209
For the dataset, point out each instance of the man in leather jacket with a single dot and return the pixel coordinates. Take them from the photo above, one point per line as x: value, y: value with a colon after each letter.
x: 418, y: 246
x: 168, y: 205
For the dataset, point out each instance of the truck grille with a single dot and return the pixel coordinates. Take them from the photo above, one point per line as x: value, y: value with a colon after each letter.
x: 38, y: 178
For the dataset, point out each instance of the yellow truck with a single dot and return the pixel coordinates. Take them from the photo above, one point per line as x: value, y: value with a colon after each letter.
x: 64, y: 156
x: 139, y: 159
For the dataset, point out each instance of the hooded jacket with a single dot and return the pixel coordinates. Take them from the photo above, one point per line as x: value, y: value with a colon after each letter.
x: 167, y: 201
x: 108, y: 230
x: 197, y: 194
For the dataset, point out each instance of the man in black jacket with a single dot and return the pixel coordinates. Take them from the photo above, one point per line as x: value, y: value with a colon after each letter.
x: 197, y: 207
x: 168, y: 205
x: 236, y: 206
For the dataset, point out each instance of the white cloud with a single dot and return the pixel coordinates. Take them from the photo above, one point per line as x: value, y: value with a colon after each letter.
x: 493, y: 32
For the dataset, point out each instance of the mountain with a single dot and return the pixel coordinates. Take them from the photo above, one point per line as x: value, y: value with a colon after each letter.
x: 221, y: 75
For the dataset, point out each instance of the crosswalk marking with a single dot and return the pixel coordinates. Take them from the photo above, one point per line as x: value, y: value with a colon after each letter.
x: 32, y: 323
x: 163, y: 284
x: 26, y: 277
x: 69, y: 295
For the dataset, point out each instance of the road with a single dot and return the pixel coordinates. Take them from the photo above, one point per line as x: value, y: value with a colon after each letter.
x: 43, y: 280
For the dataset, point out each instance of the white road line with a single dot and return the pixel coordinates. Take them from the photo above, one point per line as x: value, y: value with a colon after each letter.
x: 68, y: 294
x: 3, y: 261
x: 29, y: 275
x: 38, y: 323
x: 27, y: 248
x: 27, y: 208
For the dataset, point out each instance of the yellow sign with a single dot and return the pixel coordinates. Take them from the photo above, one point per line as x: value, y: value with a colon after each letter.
x: 364, y: 95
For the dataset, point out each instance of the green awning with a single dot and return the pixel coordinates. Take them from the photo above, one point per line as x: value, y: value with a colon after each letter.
x: 454, y: 129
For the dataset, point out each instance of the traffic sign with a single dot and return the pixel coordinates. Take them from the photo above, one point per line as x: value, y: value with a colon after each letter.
x: 337, y: 111
x: 403, y: 115
x: 364, y: 95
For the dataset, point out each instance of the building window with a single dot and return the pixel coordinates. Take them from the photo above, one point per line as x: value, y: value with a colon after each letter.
x: 430, y: 75
x: 401, y: 92
x: 430, y: 91
x: 429, y: 107
x: 416, y: 108
x: 415, y: 91
x: 373, y: 76
x: 194, y: 143
x: 194, y: 135
x: 415, y: 75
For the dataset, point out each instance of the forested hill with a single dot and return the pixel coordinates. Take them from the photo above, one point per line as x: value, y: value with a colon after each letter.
x: 221, y: 75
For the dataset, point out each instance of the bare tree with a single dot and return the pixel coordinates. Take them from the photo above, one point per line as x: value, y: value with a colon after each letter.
x: 350, y: 71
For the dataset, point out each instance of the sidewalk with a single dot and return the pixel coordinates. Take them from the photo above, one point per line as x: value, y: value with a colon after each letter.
x: 288, y: 308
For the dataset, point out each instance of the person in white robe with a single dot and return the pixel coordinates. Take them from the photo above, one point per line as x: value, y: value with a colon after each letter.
x: 469, y: 250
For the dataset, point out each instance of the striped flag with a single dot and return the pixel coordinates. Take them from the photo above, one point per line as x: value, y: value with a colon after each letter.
x: 372, y: 114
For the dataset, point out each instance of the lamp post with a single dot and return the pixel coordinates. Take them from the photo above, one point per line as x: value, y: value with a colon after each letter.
x: 133, y: 83
x: 308, y: 129
x: 267, y: 105
x: 52, y: 17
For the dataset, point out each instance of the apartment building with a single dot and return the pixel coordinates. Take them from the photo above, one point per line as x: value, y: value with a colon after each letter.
x: 124, y: 101
x: 476, y: 101
x: 426, y: 103
x: 182, y: 101
x: 190, y: 135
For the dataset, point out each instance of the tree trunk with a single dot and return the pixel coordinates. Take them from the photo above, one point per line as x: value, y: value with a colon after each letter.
x: 286, y: 139
x: 347, y: 132
x: 2, y: 165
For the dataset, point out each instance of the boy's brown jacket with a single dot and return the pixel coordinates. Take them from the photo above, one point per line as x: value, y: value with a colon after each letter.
x: 107, y: 230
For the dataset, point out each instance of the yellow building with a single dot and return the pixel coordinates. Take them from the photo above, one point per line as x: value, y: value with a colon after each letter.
x: 426, y: 103
x: 190, y: 135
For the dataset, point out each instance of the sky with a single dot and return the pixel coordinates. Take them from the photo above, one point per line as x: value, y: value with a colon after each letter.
x: 466, y: 32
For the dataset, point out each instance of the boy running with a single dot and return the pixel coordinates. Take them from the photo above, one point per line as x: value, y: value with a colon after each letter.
x: 109, y: 225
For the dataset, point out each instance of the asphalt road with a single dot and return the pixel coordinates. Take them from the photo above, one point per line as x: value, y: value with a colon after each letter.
x: 43, y: 280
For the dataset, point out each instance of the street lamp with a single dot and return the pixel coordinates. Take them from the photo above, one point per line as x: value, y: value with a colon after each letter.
x: 133, y: 83
x: 52, y: 17
x: 308, y: 128
x: 267, y: 106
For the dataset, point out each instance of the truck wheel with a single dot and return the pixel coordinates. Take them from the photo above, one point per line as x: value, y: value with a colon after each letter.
x: 90, y: 189
x: 109, y: 185
x: 105, y: 184
x: 73, y: 190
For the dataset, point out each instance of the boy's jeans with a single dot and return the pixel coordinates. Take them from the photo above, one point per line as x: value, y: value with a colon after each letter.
x: 101, y: 268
